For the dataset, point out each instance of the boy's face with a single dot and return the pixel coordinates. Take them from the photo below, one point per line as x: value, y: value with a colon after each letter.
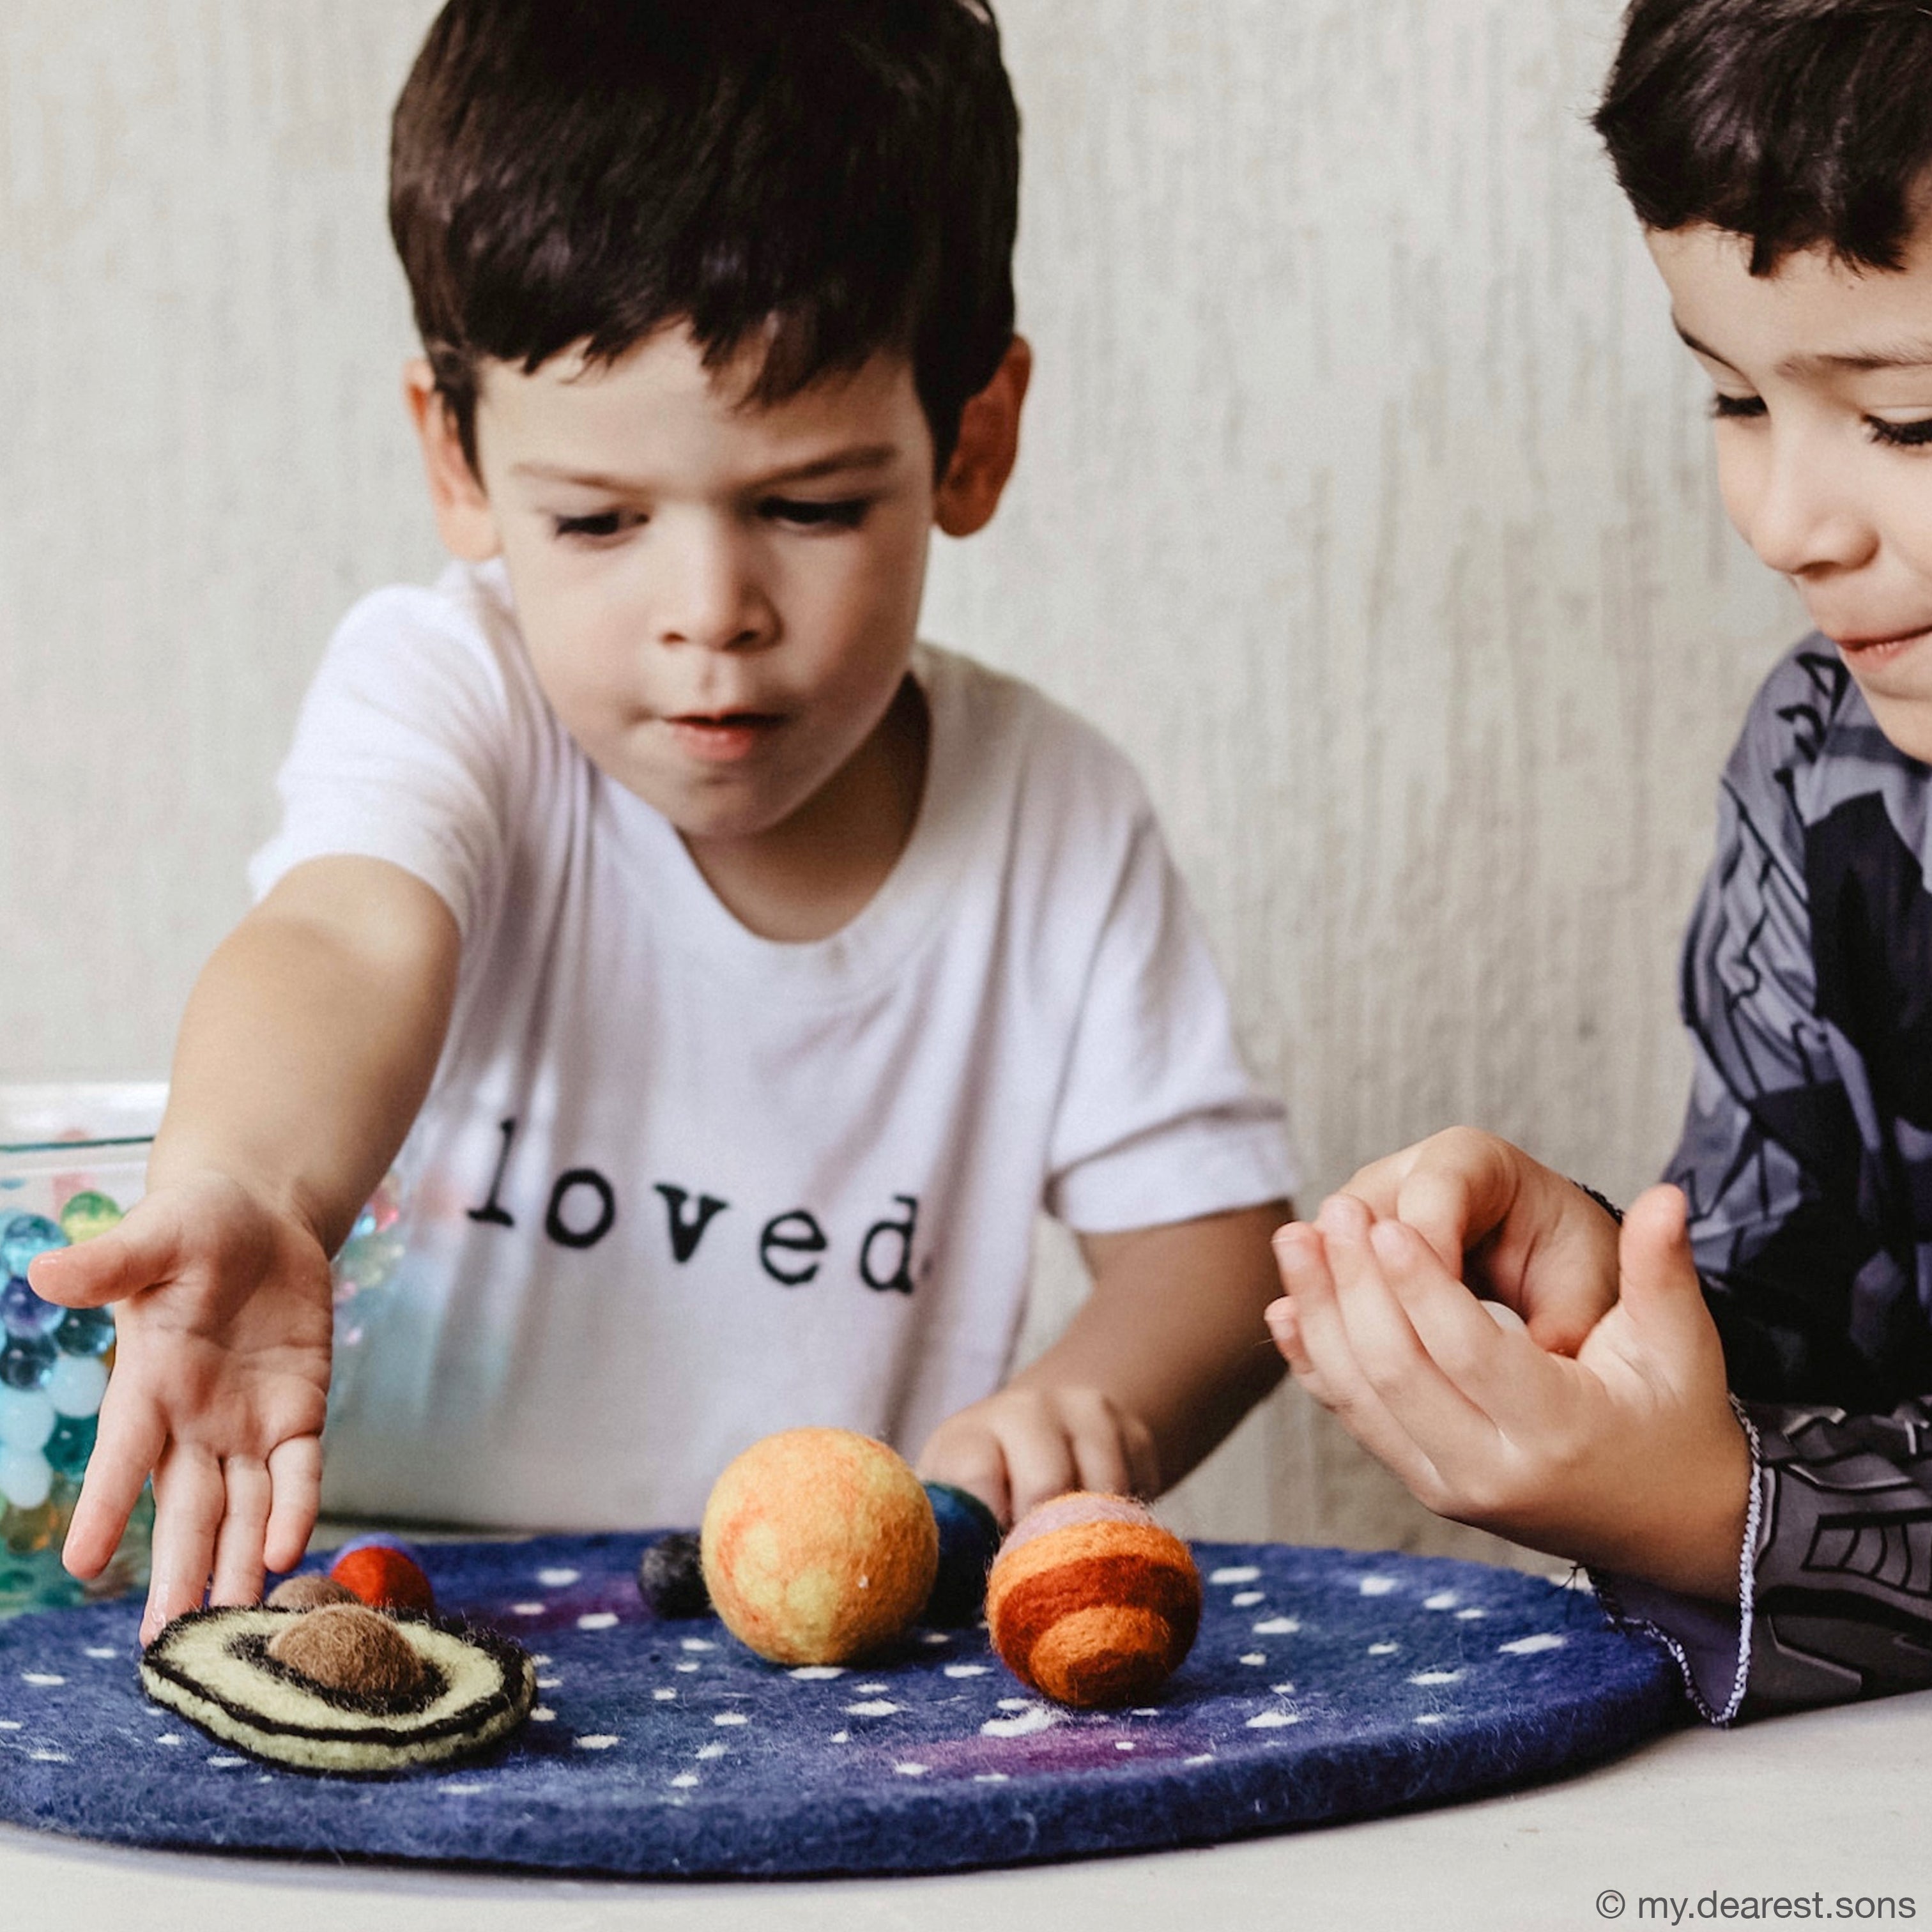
x: 1824, y: 436
x: 718, y: 600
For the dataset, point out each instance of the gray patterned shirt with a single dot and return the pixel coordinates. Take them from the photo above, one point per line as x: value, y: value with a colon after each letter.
x: 1807, y: 1158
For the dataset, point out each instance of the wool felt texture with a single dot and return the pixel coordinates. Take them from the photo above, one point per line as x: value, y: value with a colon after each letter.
x: 217, y: 1668
x: 385, y: 1577
x: 671, y: 1577
x: 1095, y: 1603
x: 1324, y: 1684
x: 969, y: 1538
x: 350, y: 1647
x: 309, y: 1592
x: 819, y: 1545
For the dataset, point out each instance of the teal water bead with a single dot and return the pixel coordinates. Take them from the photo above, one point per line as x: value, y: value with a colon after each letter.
x: 85, y: 1331
x: 25, y: 1478
x: 27, y: 1361
x: 71, y: 1444
x: 24, y: 1236
x: 23, y: 1312
x: 27, y: 1419
x: 76, y: 1384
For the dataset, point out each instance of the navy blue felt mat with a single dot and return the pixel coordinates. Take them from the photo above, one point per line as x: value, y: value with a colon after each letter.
x: 1325, y: 1684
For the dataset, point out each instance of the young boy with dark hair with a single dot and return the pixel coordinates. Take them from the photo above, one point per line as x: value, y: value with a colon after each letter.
x: 743, y: 975
x: 1779, y: 1538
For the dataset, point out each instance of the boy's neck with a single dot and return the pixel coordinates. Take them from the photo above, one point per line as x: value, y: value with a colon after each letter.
x: 806, y: 878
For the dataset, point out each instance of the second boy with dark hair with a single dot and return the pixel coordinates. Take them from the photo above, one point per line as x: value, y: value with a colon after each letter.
x: 744, y: 976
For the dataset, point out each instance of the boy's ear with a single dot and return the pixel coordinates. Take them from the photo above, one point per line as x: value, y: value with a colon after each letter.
x: 988, y: 445
x: 464, y: 518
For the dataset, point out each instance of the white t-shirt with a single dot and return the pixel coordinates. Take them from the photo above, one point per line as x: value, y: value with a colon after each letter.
x: 677, y: 1185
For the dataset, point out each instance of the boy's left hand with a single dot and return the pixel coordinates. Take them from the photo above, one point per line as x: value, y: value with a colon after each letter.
x: 1627, y: 1456
x: 1025, y: 1445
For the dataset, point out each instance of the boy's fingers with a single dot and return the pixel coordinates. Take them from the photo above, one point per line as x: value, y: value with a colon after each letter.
x: 132, y: 1436
x: 1098, y: 1449
x: 1040, y: 1459
x: 237, y: 1566
x: 294, y: 1477
x: 978, y: 1466
x: 108, y: 1267
x: 189, y: 1498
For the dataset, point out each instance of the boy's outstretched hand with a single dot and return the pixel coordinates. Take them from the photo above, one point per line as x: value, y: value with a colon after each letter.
x: 222, y: 1325
x: 1628, y: 1455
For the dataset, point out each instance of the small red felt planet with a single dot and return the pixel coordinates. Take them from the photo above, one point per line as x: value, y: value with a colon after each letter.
x: 384, y: 1576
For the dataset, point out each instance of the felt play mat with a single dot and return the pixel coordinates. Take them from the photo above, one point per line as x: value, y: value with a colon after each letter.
x: 1325, y: 1684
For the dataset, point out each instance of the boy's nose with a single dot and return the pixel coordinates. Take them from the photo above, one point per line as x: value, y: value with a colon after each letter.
x: 1807, y: 518
x: 709, y: 594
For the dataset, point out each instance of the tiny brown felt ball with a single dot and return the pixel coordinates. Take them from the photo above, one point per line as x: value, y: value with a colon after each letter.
x: 350, y: 1647
x: 384, y: 1579
x: 309, y: 1592
x: 1091, y: 1601
x: 819, y: 1545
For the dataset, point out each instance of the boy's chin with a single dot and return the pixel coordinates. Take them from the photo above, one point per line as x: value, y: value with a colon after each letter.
x: 1905, y: 717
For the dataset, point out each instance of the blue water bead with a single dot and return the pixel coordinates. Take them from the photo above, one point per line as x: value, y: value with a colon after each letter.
x: 27, y: 1361
x: 27, y: 1419
x: 24, y: 1236
x: 23, y: 1312
x: 85, y: 1331
x: 71, y: 1444
x: 969, y: 1539
x: 25, y: 1478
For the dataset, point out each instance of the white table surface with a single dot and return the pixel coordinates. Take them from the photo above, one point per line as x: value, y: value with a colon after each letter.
x: 1835, y: 1803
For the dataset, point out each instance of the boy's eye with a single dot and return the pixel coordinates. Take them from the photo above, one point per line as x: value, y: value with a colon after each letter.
x: 1902, y: 435
x: 1733, y: 409
x: 846, y: 514
x: 605, y: 523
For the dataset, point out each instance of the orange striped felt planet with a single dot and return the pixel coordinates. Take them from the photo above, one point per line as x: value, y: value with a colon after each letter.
x: 1091, y: 1602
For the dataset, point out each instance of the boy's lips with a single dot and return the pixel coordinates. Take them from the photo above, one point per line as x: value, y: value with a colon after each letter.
x: 1877, y: 644
x: 722, y: 738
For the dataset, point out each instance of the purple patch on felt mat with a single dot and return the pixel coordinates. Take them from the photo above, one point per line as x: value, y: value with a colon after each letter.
x: 1325, y: 1684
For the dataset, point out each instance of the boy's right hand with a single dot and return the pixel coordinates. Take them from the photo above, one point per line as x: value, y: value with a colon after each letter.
x: 1512, y: 1229
x: 222, y: 1324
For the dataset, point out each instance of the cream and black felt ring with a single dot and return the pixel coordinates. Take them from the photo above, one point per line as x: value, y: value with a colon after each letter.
x: 213, y: 1667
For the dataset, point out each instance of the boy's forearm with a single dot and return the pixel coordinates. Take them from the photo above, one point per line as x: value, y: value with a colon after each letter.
x: 309, y: 1040
x: 1172, y: 1332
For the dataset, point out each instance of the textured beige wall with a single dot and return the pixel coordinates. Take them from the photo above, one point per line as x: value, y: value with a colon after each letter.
x: 1365, y: 500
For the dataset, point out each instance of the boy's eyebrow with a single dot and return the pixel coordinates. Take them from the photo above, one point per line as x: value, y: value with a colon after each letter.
x: 865, y: 456
x: 1903, y: 355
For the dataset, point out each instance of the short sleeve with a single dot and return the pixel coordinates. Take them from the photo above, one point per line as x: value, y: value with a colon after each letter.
x: 401, y: 751
x: 1158, y: 1119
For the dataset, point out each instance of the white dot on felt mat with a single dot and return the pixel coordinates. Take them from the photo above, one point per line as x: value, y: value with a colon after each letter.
x: 912, y: 1770
x: 1376, y: 1586
x: 1203, y: 1757
x: 166, y: 1737
x: 543, y: 1714
x: 871, y: 1690
x: 876, y: 1707
x: 1436, y: 1677
x: 685, y: 1779
x: 989, y: 1778
x: 458, y: 1790
x: 1277, y: 1626
x: 1246, y: 1600
x: 1528, y: 1646
x: 1443, y: 1599
x: 538, y: 1658
x: 1255, y: 1657
x: 935, y: 1637
x: 558, y: 1579
x: 687, y: 1667
x: 697, y: 1643
x: 548, y: 1683
x: 665, y: 1695
x: 221, y: 1763
x: 528, y: 1609
x: 1237, y: 1573
x: 713, y: 1750
x: 62, y: 1757
x: 966, y: 1670
x: 841, y: 1737
x: 1016, y: 1703
x: 44, y: 1680
x: 600, y: 1741
x: 12, y: 1724
x: 818, y: 1673
x: 1429, y: 1717
x: 1470, y: 1616
x: 1383, y: 1649
x: 1123, y: 1744
x: 102, y: 1650
x: 730, y: 1717
x: 597, y: 1620
x: 1273, y: 1720
x: 1033, y: 1717
x: 1281, y: 1689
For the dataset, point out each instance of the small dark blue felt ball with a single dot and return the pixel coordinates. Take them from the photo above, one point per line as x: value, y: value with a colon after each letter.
x: 969, y: 1539
x: 671, y: 1576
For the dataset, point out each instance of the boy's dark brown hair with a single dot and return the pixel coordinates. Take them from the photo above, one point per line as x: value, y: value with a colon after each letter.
x: 1796, y: 123
x: 824, y: 179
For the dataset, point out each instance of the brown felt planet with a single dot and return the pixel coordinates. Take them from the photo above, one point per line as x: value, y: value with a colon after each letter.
x: 1091, y: 1602
x: 819, y: 1545
x: 309, y: 1592
x: 350, y: 1647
